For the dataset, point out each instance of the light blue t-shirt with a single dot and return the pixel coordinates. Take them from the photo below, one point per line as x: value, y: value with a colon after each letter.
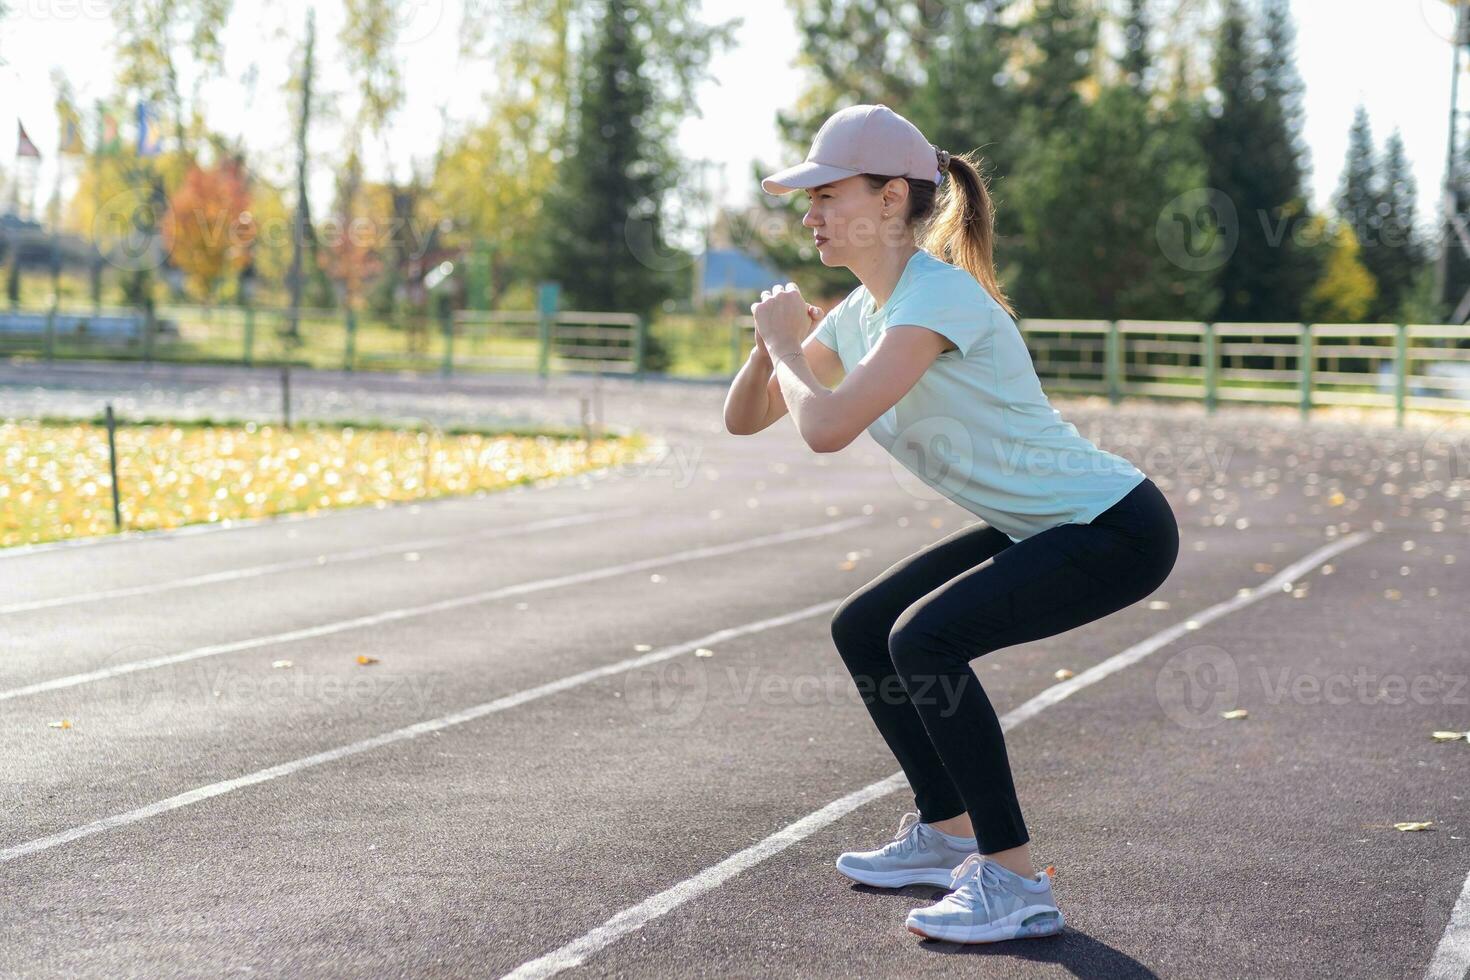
x: 977, y: 427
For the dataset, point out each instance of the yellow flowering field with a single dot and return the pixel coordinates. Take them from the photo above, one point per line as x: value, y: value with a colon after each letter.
x: 55, y: 483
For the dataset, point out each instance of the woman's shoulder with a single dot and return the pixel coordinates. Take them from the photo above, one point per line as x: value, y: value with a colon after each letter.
x: 939, y: 282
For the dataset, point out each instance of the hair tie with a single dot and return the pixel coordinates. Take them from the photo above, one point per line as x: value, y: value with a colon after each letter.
x: 943, y: 156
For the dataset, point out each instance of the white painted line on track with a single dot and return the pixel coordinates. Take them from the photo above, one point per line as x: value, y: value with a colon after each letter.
x: 1451, y: 959
x: 411, y: 731
x: 356, y: 554
x: 393, y: 615
x: 637, y: 916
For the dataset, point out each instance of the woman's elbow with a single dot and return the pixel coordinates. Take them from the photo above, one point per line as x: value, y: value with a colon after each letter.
x: 829, y: 439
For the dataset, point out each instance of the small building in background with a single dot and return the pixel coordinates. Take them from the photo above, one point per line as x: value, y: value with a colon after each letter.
x: 728, y: 273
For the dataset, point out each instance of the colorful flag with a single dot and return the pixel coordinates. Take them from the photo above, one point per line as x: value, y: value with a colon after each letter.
x: 150, y: 140
x: 71, y: 131
x: 109, y: 140
x: 24, y: 147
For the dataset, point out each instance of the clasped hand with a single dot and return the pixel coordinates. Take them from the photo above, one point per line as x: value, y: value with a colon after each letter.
x: 783, y: 319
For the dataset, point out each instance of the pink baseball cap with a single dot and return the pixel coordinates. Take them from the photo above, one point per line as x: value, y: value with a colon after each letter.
x: 862, y: 139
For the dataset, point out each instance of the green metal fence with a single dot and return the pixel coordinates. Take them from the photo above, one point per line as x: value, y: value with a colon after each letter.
x: 1401, y: 367
x: 609, y: 343
x: 1418, y: 366
x: 1398, y: 366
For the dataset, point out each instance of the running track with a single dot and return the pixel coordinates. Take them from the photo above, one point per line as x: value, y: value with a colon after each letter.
x: 543, y: 775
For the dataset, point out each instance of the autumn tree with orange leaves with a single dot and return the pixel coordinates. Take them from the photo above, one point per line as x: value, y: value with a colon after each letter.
x: 208, y: 229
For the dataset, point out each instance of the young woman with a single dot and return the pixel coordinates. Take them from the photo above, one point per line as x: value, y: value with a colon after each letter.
x: 937, y: 372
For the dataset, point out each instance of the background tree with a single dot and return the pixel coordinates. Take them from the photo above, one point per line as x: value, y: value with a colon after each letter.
x: 1346, y: 290
x: 151, y: 34
x: 604, y: 215
x: 490, y: 179
x: 1256, y: 160
x: 369, y: 38
x: 208, y: 229
x: 1402, y: 254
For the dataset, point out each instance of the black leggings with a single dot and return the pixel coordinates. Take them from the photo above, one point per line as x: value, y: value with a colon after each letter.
x: 909, y: 635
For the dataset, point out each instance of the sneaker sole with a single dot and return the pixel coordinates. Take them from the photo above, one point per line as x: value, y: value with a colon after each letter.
x: 937, y: 877
x: 1037, y: 925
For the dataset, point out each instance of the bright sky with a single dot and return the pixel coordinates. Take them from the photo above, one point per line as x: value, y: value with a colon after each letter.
x: 1395, y: 59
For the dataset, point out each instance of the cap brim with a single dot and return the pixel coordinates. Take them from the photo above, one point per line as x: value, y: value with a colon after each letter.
x: 803, y: 175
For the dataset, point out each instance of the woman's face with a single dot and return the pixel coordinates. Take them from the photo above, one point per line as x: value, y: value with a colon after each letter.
x: 846, y: 217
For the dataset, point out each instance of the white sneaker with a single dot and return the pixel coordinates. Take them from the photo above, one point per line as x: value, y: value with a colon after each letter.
x: 990, y: 903
x: 917, y: 855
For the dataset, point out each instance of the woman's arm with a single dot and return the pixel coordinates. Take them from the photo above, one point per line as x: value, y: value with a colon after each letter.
x: 830, y: 420
x: 747, y: 404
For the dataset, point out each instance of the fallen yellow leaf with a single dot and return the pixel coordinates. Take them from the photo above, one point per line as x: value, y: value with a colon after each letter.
x: 1234, y: 713
x: 1063, y: 673
x: 63, y: 723
x: 1451, y: 736
x: 363, y: 658
x: 704, y: 652
x: 1414, y: 825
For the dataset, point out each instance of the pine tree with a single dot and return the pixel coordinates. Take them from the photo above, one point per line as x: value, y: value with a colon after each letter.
x: 1055, y: 46
x: 1401, y: 254
x: 1360, y: 189
x: 1256, y: 160
x: 603, y: 237
x: 1062, y: 36
x: 1089, y: 202
x: 1136, y: 62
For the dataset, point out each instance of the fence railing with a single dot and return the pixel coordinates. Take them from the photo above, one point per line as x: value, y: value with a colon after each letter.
x: 608, y: 343
x: 1396, y: 366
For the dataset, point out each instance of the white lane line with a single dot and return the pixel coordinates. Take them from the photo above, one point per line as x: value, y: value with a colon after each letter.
x: 411, y: 731
x: 1451, y: 959
x: 393, y: 615
x: 357, y: 554
x: 636, y: 917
